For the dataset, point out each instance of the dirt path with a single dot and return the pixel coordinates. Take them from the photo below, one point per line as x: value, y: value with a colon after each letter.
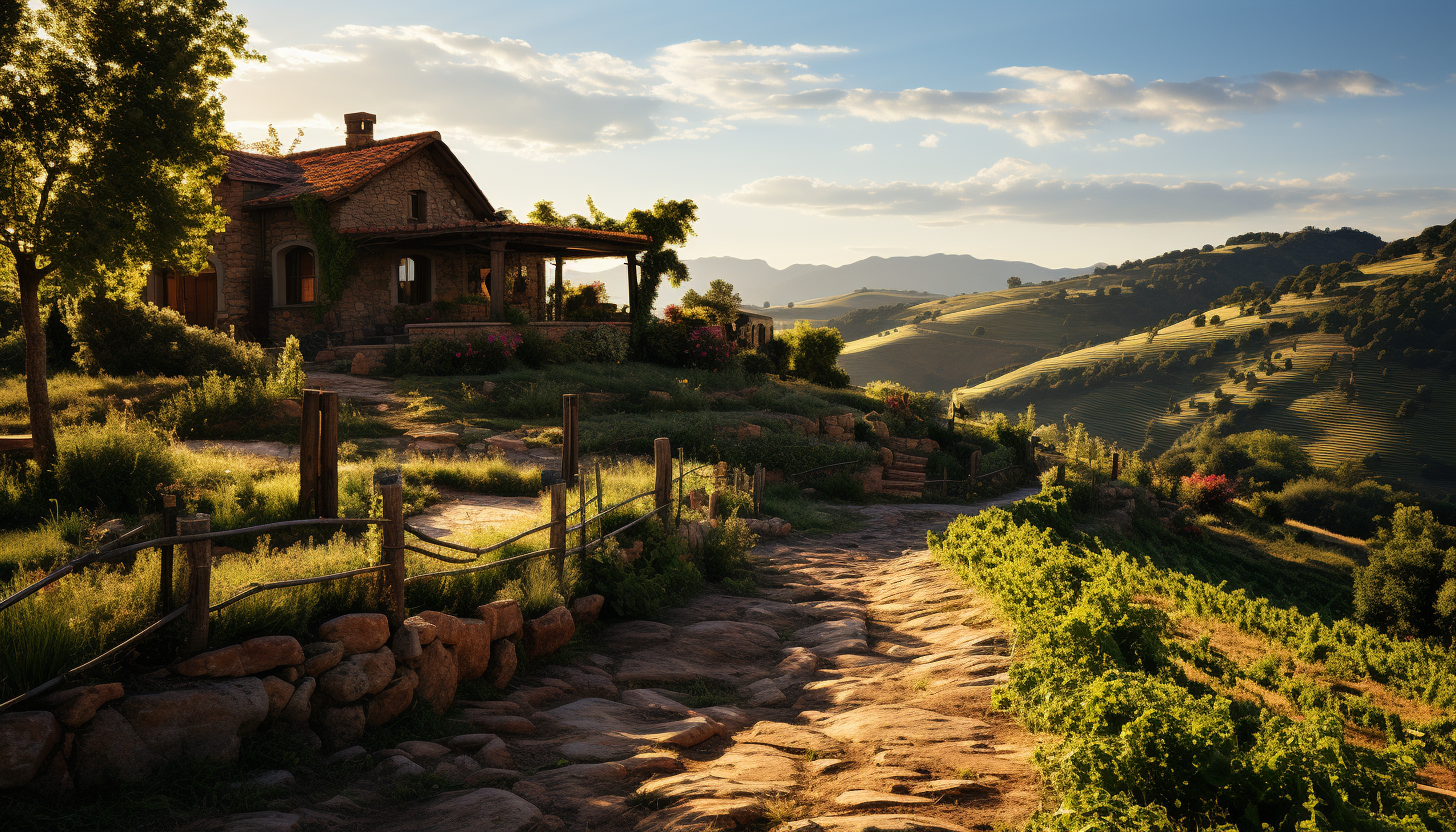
x: 854, y: 693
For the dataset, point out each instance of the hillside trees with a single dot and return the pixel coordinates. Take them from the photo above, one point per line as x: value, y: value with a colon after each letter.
x: 719, y: 305
x: 109, y: 146
x: 814, y: 354
x: 1409, y: 587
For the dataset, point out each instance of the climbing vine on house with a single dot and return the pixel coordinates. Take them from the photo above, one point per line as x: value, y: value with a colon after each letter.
x: 336, y: 262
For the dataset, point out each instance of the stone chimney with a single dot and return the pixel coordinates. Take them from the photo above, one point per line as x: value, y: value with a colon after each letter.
x: 358, y: 130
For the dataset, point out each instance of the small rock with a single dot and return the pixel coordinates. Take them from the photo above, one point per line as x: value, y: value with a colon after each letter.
x: 394, y: 768
x: 424, y: 630
x: 345, y: 755
x: 406, y: 643
x: 469, y: 743
x: 826, y: 766
x: 421, y: 749
x: 76, y: 706
x: 472, y: 648
x: 865, y: 798
x: 26, y: 740
x: 279, y: 693
x: 267, y: 780
x: 584, y: 610
x: 505, y: 617
x: 765, y: 694
x: 339, y: 803
x: 438, y: 677
x: 549, y: 633
x: 447, y: 627
x: 252, y: 656
x: 502, y: 662
x: 322, y: 656
x: 495, y: 754
x: 359, y: 632
x: 498, y: 723
x: 493, y: 776
x: 299, y: 707
x: 393, y: 700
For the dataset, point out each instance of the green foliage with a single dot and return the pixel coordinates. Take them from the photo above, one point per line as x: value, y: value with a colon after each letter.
x: 642, y: 586
x: 1409, y: 587
x: 217, y: 407
x: 118, y: 466
x: 337, y: 258
x: 814, y: 354
x: 1143, y: 747
x: 1352, y: 509
x: 600, y: 345
x: 725, y: 550
x: 123, y: 337
x: 719, y: 305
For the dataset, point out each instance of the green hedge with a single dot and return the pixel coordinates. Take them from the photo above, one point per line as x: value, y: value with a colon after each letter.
x: 124, y: 338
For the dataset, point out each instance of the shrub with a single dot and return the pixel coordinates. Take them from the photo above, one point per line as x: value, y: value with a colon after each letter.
x: 725, y: 550
x: 485, y: 354
x: 814, y: 354
x: 1267, y: 508
x: 121, y: 338
x: 599, y: 345
x: 1409, y: 588
x: 753, y: 363
x: 1344, y: 509
x: 707, y: 349
x: 118, y: 465
x: 642, y: 587
x: 1207, y: 492
x: 217, y: 406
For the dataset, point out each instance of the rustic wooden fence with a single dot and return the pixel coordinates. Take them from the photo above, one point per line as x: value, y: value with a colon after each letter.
x: 194, y: 535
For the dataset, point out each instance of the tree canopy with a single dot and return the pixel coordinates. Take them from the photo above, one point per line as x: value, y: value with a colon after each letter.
x: 111, y: 136
x: 720, y: 305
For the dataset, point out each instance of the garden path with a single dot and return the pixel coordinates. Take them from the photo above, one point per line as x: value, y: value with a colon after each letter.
x: 854, y: 692
x: 465, y: 511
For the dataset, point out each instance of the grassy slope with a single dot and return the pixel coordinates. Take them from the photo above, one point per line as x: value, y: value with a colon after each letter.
x: 822, y: 309
x: 1307, y: 402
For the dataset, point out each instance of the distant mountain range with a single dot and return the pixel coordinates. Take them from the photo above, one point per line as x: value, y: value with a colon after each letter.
x: 757, y: 281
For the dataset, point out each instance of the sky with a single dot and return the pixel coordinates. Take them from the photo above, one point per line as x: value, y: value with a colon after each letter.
x: 1060, y: 133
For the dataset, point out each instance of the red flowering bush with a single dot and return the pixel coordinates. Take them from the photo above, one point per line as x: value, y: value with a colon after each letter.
x: 707, y: 348
x: 1207, y: 492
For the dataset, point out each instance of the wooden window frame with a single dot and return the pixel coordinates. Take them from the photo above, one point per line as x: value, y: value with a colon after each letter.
x: 411, y: 296
x: 299, y: 288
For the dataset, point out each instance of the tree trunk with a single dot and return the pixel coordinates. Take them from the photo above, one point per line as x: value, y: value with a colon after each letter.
x: 37, y: 393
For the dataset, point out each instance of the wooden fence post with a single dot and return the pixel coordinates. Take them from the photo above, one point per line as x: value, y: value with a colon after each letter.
x: 601, y: 524
x: 681, y: 475
x: 199, y: 580
x: 758, y: 482
x: 570, y: 439
x: 308, y: 453
x: 662, y: 459
x: 1116, y: 464
x: 328, y: 465
x: 713, y: 505
x: 391, y: 487
x: 558, y: 530
x: 169, y: 528
x: 975, y: 465
x: 1061, y: 473
x: 581, y: 498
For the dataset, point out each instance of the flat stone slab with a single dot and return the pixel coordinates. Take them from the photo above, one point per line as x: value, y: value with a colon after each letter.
x: 706, y: 814
x: 615, y: 730
x: 879, y: 723
x: 865, y: 798
x: 788, y: 737
x: 872, y: 823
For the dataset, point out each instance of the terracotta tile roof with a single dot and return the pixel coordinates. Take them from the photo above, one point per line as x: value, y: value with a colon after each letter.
x: 255, y: 167
x: 504, y: 226
x: 332, y: 172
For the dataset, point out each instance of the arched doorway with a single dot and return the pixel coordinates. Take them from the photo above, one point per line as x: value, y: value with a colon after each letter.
x: 194, y: 295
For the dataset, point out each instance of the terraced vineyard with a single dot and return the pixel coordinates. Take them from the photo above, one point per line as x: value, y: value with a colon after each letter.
x: 926, y: 360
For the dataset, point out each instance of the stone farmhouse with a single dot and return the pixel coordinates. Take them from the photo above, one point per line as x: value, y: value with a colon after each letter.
x: 423, y: 231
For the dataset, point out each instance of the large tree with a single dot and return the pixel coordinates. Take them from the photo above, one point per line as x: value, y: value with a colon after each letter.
x: 111, y: 136
x: 669, y: 223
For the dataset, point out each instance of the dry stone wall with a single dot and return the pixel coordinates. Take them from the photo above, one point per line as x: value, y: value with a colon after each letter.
x: 359, y: 675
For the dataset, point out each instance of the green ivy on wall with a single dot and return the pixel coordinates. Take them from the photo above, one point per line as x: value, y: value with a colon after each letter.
x: 336, y: 255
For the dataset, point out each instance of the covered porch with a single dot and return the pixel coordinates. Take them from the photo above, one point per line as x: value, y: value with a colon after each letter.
x: 470, y: 274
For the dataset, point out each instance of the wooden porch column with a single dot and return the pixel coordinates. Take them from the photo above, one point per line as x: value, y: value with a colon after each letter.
x: 632, y: 282
x: 497, y: 281
x: 560, y: 313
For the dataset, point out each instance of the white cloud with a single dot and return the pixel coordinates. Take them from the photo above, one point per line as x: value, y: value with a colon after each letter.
x: 862, y: 148
x: 1337, y: 178
x: 931, y: 140
x: 504, y: 94
x: 1015, y: 189
x: 1142, y: 140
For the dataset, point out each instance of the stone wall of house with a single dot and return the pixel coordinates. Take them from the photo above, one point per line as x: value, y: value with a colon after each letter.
x: 384, y: 202
x: 464, y: 331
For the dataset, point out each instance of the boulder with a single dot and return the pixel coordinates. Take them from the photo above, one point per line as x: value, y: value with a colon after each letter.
x: 584, y: 610
x: 279, y: 693
x: 493, y: 809
x: 424, y: 629
x: 406, y: 643
x: 206, y: 722
x: 472, y: 648
x: 300, y: 704
x: 108, y: 751
x: 321, y: 657
x: 423, y: 749
x: 438, y: 677
x: 447, y: 627
x: 26, y: 740
x: 495, y: 754
x: 360, y: 674
x: 469, y: 743
x: 359, y: 632
x: 252, y: 656
x: 75, y: 707
x: 393, y: 700
x: 360, y: 365
x: 339, y: 727
x: 502, y: 663
x: 549, y: 633
x: 505, y: 617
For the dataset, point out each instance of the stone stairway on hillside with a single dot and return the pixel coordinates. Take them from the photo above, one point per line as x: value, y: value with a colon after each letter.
x: 905, y: 477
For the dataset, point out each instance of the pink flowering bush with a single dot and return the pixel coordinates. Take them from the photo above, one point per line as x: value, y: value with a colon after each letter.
x: 707, y: 348
x: 1207, y: 493
x: 487, y: 353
